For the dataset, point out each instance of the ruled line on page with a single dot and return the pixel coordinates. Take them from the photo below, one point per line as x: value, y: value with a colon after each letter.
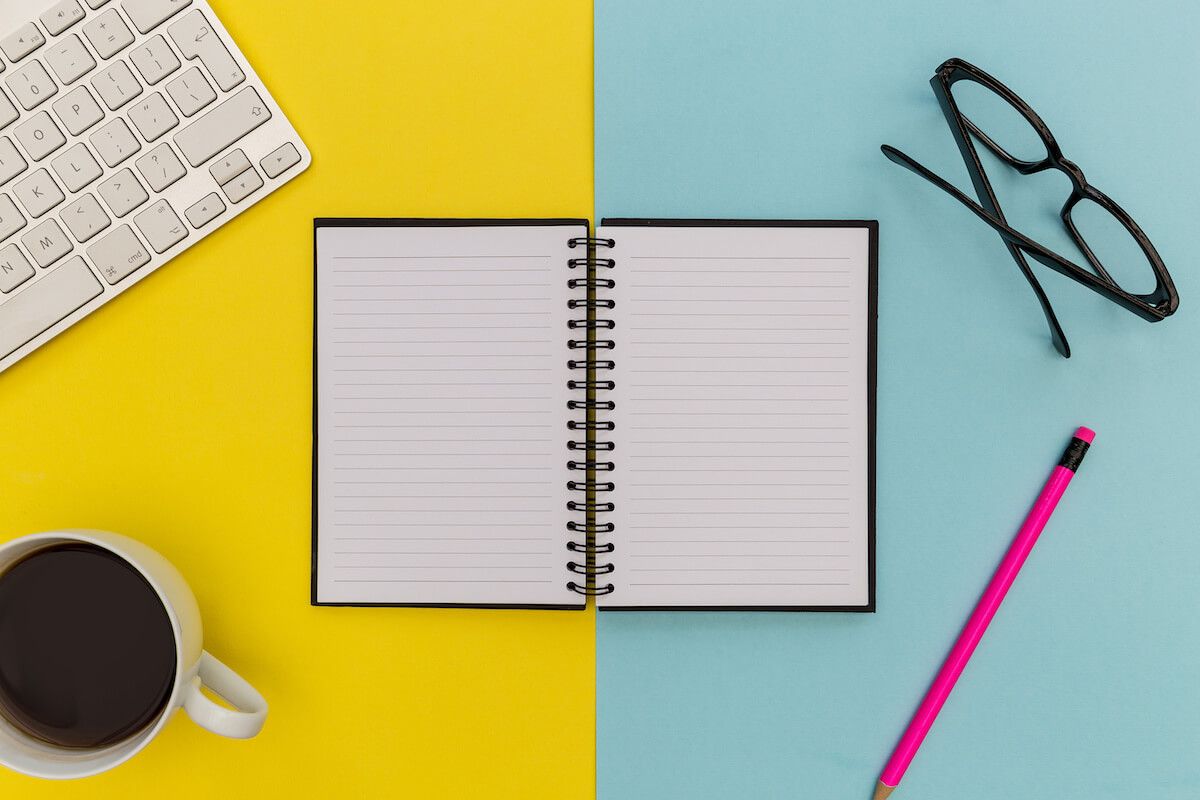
x: 740, y: 569
x: 443, y: 539
x: 738, y: 541
x: 738, y: 584
x: 738, y: 555
x: 489, y: 581
x: 441, y: 552
x: 474, y: 285
x: 740, y: 258
x: 740, y: 286
x: 409, y: 257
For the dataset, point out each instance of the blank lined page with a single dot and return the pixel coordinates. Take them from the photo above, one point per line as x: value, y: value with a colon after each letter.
x: 743, y: 416
x: 441, y: 413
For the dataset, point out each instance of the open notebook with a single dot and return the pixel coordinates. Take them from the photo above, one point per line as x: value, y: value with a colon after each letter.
x: 668, y: 414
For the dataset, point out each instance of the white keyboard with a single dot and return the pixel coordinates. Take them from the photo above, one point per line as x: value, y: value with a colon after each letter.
x: 129, y: 131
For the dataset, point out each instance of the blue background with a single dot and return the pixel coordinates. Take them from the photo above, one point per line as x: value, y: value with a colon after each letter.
x: 1086, y: 685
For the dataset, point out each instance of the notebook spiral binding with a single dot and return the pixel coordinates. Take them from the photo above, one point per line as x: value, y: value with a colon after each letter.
x: 591, y: 447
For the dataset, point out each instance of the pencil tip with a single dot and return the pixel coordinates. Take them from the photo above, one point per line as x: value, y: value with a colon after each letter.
x: 882, y: 790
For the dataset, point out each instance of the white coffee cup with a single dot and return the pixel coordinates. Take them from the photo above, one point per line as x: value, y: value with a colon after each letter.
x: 194, y: 668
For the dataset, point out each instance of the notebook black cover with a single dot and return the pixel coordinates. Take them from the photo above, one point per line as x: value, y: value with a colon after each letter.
x: 873, y: 229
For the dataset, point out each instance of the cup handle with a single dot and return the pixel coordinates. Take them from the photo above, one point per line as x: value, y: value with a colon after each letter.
x: 243, y: 723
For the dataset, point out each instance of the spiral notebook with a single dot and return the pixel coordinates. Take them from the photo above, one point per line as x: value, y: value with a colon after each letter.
x: 667, y: 414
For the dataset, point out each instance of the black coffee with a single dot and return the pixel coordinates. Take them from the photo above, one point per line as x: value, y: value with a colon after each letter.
x: 87, y: 652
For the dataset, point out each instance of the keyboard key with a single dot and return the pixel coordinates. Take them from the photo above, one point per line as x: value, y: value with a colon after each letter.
x: 11, y: 220
x: 94, y: 4
x: 280, y: 161
x: 115, y: 142
x: 70, y: 59
x: 48, y: 243
x: 24, y: 41
x: 116, y: 85
x: 8, y: 112
x: 229, y: 167
x: 61, y: 16
x: 76, y: 167
x: 40, y: 136
x: 154, y: 59
x: 10, y: 217
x: 153, y: 117
x: 119, y: 254
x: 85, y: 218
x: 123, y: 193
x: 78, y: 110
x: 161, y: 167
x: 243, y: 186
x: 32, y: 85
x: 14, y: 268
x: 161, y: 226
x: 108, y: 33
x: 149, y: 14
x: 12, y: 163
x: 191, y: 92
x: 205, y: 211
x: 42, y: 305
x: 196, y: 39
x: 222, y: 126
x: 39, y: 193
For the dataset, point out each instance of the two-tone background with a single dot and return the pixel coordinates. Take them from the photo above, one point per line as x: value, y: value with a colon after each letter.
x: 181, y: 414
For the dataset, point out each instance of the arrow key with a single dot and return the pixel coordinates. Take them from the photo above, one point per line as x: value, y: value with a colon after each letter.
x: 280, y: 161
x: 229, y: 167
x: 243, y: 186
x: 205, y: 211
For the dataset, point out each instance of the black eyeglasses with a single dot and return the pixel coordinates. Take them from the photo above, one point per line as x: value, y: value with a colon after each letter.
x: 1153, y: 306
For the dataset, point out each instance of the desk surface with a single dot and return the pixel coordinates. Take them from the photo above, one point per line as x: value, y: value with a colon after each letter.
x: 1085, y: 685
x: 180, y: 415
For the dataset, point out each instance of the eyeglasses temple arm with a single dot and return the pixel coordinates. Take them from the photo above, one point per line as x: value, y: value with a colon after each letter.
x: 1011, y: 237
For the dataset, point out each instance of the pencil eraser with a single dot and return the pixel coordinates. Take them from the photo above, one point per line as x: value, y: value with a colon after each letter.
x: 1086, y: 434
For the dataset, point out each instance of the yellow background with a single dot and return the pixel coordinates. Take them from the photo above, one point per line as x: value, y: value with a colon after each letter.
x: 180, y: 415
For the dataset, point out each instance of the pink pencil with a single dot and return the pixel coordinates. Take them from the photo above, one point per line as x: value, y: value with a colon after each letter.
x: 992, y: 597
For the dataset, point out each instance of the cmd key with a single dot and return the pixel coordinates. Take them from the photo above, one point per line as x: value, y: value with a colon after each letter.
x: 118, y: 255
